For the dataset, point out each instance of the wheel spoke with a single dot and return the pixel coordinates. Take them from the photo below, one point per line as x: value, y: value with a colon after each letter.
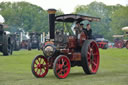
x: 40, y: 71
x: 94, y: 63
x: 62, y: 61
x: 95, y: 54
x: 37, y: 70
x: 89, y: 53
x: 45, y: 65
x: 35, y: 67
x: 38, y: 60
x: 92, y: 45
x: 35, y: 63
x: 60, y: 72
x: 65, y: 69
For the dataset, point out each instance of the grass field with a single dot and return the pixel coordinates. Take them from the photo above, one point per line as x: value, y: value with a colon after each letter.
x: 16, y: 70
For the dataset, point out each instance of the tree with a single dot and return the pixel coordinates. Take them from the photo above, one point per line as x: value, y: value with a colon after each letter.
x: 119, y: 20
x: 24, y: 15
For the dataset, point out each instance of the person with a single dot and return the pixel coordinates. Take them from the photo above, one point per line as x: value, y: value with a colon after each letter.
x: 77, y: 28
x: 88, y: 30
x: 82, y: 27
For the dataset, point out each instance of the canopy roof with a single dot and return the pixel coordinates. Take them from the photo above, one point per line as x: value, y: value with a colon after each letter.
x: 125, y: 29
x: 75, y: 17
x: 119, y: 36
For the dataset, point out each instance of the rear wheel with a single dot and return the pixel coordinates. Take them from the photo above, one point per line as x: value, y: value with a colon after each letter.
x: 39, y: 66
x: 90, y: 57
x: 61, y: 66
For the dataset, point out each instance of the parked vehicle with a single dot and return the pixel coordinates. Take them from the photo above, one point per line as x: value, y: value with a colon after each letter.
x: 102, y: 43
x: 5, y: 42
x: 16, y: 42
x: 34, y: 41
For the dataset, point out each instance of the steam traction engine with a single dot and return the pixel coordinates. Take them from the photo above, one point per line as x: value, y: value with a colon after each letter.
x: 5, y: 42
x: 122, y: 40
x: 34, y: 41
x: 63, y: 51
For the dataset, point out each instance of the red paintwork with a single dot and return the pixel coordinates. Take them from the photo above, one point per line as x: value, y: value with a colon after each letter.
x: 76, y: 56
x: 72, y: 42
x: 83, y: 37
x: 48, y: 42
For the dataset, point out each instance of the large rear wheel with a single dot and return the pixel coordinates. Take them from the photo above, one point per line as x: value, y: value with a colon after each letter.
x: 90, y: 57
x: 61, y: 66
x: 39, y: 66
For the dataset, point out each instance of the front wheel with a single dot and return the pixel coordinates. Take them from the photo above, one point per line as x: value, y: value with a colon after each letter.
x: 39, y: 66
x: 90, y: 57
x: 61, y: 66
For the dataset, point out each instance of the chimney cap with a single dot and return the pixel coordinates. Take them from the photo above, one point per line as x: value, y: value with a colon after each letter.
x: 51, y: 11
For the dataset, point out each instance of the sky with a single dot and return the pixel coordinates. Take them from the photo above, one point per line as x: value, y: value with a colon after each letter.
x: 68, y: 6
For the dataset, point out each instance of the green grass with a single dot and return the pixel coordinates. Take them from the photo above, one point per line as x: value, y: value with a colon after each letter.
x: 113, y: 70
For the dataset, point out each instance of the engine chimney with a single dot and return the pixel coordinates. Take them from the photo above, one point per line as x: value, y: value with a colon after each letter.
x: 51, y: 13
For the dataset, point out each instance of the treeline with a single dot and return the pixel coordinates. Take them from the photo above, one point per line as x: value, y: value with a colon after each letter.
x: 24, y: 15
x: 33, y: 18
x: 113, y: 18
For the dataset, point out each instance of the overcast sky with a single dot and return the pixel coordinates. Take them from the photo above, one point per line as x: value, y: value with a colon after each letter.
x: 68, y: 6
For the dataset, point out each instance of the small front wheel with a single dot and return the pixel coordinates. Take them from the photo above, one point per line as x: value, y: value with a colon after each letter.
x: 61, y: 66
x: 39, y: 66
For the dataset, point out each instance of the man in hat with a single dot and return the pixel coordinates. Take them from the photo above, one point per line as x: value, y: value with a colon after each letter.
x: 88, y: 30
x: 77, y: 28
x: 82, y: 27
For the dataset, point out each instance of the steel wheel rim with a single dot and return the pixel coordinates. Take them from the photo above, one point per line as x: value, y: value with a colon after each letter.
x: 62, y: 67
x: 40, y: 66
x: 93, y: 57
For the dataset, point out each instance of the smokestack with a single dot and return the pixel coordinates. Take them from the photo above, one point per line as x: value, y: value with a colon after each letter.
x: 51, y: 13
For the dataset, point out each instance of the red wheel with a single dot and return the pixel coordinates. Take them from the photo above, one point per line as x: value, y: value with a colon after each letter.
x: 119, y: 44
x: 127, y: 44
x: 40, y: 66
x: 90, y: 57
x: 61, y: 66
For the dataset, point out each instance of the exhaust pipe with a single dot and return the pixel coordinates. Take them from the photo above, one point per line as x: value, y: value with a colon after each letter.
x: 51, y: 13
